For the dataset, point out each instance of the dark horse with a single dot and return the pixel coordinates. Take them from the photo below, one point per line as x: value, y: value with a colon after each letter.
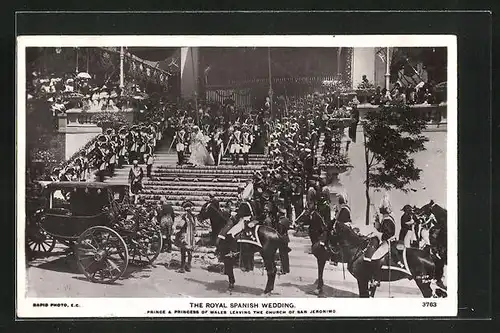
x: 351, y: 248
x: 216, y: 225
x: 268, y: 238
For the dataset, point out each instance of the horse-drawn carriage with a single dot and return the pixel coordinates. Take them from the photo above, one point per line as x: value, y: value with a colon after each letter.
x: 96, y: 221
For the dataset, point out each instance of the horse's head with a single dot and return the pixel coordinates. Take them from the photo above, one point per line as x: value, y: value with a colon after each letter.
x: 207, y: 210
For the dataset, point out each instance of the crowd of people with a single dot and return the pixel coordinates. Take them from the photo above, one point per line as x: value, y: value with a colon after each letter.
x: 80, y: 91
x: 115, y: 148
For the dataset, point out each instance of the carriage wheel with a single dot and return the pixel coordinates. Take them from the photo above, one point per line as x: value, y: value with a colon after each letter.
x: 145, y: 245
x: 102, y: 254
x: 40, y: 241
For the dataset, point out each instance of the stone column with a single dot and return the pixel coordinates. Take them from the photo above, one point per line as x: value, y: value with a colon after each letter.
x: 189, y: 72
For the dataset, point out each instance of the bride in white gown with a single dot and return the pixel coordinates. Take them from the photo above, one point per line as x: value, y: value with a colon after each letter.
x: 199, y: 153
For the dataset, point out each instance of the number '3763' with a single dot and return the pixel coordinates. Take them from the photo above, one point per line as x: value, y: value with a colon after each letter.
x: 429, y: 304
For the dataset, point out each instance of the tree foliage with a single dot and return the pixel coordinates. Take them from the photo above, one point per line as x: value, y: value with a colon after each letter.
x: 392, y: 135
x: 109, y: 119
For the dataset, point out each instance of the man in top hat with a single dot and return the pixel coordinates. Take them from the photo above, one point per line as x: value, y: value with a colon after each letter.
x: 186, y: 236
x: 235, y: 148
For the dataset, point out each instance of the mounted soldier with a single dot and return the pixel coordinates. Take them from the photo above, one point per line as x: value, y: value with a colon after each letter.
x: 343, y: 214
x: 386, y: 225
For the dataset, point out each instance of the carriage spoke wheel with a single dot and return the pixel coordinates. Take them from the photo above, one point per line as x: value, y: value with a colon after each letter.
x: 40, y: 241
x: 145, y: 245
x: 102, y: 254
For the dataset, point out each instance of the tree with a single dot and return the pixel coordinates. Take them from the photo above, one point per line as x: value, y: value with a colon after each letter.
x: 391, y: 135
x: 107, y: 120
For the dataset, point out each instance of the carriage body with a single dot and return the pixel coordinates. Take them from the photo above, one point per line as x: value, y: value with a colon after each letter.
x: 97, y: 222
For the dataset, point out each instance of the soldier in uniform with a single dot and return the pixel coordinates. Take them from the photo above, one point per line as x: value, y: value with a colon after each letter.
x: 386, y: 225
x: 217, y: 145
x: 122, y: 146
x: 247, y: 141
x: 235, y: 148
x: 297, y: 195
x: 343, y: 214
x: 186, y: 236
x: 135, y: 179
x: 181, y: 138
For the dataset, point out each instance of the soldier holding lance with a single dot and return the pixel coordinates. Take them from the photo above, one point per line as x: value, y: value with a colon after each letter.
x: 235, y: 147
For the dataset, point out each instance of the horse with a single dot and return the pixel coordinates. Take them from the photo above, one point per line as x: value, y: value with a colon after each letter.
x: 216, y: 225
x: 351, y: 247
x: 267, y: 242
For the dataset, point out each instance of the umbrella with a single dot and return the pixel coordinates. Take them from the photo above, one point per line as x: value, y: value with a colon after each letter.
x: 84, y: 75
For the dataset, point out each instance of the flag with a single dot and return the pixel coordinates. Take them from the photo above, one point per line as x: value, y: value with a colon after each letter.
x: 381, y: 55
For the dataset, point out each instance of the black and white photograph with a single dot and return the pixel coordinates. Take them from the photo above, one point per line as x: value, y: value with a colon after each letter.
x: 236, y: 176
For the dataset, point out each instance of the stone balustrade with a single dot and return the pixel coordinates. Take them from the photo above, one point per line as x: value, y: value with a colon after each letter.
x: 437, y: 113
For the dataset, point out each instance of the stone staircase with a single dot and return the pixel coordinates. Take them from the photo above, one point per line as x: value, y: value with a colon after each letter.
x: 179, y: 183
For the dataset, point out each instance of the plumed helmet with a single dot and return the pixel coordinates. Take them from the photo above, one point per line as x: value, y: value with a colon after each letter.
x: 343, y: 198
x: 385, y: 205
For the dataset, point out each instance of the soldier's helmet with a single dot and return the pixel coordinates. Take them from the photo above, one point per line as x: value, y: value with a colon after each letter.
x: 385, y: 205
x: 343, y: 198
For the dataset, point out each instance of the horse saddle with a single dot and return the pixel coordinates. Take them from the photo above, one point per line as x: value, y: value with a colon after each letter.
x: 250, y: 235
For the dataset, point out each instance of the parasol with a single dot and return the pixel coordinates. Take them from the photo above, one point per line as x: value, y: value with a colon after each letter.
x: 84, y: 75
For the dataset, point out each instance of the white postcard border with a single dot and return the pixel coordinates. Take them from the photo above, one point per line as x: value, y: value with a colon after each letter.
x: 138, y: 307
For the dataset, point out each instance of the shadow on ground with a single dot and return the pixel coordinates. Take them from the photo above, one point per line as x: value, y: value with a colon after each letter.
x: 67, y: 264
x: 328, y: 291
x: 221, y: 286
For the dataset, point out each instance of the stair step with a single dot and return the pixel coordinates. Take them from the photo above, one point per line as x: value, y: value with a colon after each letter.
x: 218, y: 190
x: 244, y: 168
x: 181, y: 198
x: 199, y: 184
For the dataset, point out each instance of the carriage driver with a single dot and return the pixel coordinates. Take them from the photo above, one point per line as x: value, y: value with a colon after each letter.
x: 387, y: 226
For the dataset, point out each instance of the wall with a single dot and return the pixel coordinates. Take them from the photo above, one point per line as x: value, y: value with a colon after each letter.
x: 78, y: 136
x: 189, y: 71
x: 363, y: 63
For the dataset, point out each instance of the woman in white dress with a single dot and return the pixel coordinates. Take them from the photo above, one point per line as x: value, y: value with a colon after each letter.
x: 199, y: 153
